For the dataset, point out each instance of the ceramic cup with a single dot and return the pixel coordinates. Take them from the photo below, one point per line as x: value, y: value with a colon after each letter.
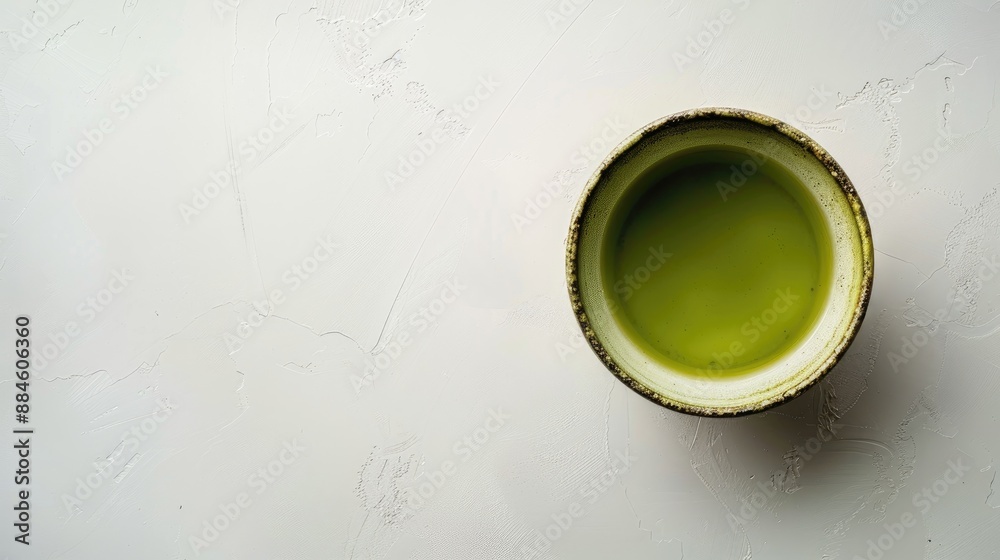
x: 840, y: 311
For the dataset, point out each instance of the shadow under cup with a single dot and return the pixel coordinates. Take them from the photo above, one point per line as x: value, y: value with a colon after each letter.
x: 719, y: 262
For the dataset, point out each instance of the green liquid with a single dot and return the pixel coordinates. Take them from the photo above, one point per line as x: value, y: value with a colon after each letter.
x: 717, y: 261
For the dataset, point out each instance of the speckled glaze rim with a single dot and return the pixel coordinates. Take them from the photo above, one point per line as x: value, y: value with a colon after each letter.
x: 836, y: 172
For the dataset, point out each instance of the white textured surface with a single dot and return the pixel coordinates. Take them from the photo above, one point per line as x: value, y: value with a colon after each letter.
x: 451, y: 279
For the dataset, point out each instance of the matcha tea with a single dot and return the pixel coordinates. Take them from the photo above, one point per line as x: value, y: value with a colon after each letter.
x: 717, y: 261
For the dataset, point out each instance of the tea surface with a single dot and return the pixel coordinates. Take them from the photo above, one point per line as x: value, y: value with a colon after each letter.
x: 718, y: 261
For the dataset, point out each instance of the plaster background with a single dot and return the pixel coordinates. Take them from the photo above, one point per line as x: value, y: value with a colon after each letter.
x: 363, y: 84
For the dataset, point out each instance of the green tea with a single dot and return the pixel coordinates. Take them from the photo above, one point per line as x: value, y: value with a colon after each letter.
x: 717, y: 261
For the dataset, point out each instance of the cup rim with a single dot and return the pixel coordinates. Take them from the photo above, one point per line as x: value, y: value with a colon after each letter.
x: 860, y: 307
